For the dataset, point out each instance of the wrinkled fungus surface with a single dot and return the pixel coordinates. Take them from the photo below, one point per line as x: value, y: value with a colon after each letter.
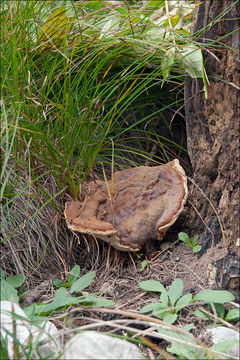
x: 145, y: 202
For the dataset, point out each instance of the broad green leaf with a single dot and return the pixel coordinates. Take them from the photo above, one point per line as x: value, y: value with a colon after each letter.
x: 160, y: 313
x: 197, y: 248
x: 60, y: 302
x: 233, y: 315
x: 192, y: 61
x: 155, y: 34
x: 83, y: 282
x: 164, y: 298
x: 183, y: 236
x: 201, y: 314
x: 94, y: 5
x: 155, y: 3
x: 170, y: 318
x: 225, y: 345
x: 57, y: 283
x: 56, y: 27
x: 175, y: 291
x: 152, y: 285
x: 8, y: 292
x: 2, y: 275
x: 167, y: 61
x: 122, y: 11
x: 15, y: 280
x: 74, y: 274
x: 24, y: 293
x: 62, y: 292
x: 183, y: 301
x: 151, y: 307
x: 184, y: 351
x: 195, y: 239
x: 214, y: 296
x: 219, y: 309
x: 110, y: 26
x: 100, y: 302
x: 174, y: 20
x: 188, y: 327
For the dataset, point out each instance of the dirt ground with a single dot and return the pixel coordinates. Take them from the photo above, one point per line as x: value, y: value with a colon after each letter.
x: 118, y: 275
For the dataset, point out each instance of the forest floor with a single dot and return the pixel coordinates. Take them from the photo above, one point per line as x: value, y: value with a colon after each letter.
x: 118, y: 275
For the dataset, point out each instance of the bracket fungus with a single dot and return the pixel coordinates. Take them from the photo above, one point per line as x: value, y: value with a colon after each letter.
x: 136, y: 206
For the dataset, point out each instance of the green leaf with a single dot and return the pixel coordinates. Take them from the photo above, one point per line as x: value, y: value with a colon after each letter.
x: 197, y: 248
x: 60, y: 302
x: 83, y: 282
x: 188, y: 327
x: 183, y: 237
x: 233, y: 315
x: 62, y: 292
x: 167, y: 61
x: 155, y: 34
x: 219, y: 309
x: 93, y: 5
x: 214, y: 296
x: 57, y: 283
x: 143, y: 265
x: 170, y: 318
x: 173, y: 19
x: 15, y: 280
x: 74, y: 274
x: 24, y: 293
x: 155, y: 3
x: 175, y: 291
x: 110, y: 26
x: 164, y: 298
x: 101, y: 302
x: 2, y: 274
x: 201, y: 314
x: 152, y: 285
x: 195, y: 239
x: 225, y: 345
x: 192, y: 61
x: 8, y: 292
x: 184, y: 351
x: 183, y: 301
x: 151, y: 307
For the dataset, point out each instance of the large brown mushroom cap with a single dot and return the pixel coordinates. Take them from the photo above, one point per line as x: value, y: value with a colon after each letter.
x: 145, y: 202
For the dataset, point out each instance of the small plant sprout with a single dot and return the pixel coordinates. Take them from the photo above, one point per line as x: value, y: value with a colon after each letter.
x: 144, y: 264
x: 192, y: 244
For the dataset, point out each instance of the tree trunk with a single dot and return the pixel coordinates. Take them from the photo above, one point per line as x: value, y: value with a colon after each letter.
x: 213, y: 139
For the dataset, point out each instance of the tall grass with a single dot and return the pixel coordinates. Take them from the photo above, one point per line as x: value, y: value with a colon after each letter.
x: 79, y: 78
x: 74, y: 83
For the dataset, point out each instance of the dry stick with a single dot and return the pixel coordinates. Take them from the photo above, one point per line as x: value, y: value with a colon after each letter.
x: 156, y: 348
x: 219, y: 319
x: 188, y: 267
x: 148, y: 319
x: 159, y: 322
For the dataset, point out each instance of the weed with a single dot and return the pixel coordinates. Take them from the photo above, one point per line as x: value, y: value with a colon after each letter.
x: 172, y: 301
x: 192, y: 244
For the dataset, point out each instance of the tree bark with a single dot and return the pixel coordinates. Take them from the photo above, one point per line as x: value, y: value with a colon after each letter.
x: 213, y: 134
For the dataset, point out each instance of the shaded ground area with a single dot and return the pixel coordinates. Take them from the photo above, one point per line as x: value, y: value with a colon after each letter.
x: 45, y: 249
x: 118, y: 276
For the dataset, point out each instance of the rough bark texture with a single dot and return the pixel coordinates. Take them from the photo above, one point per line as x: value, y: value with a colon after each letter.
x: 213, y: 129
